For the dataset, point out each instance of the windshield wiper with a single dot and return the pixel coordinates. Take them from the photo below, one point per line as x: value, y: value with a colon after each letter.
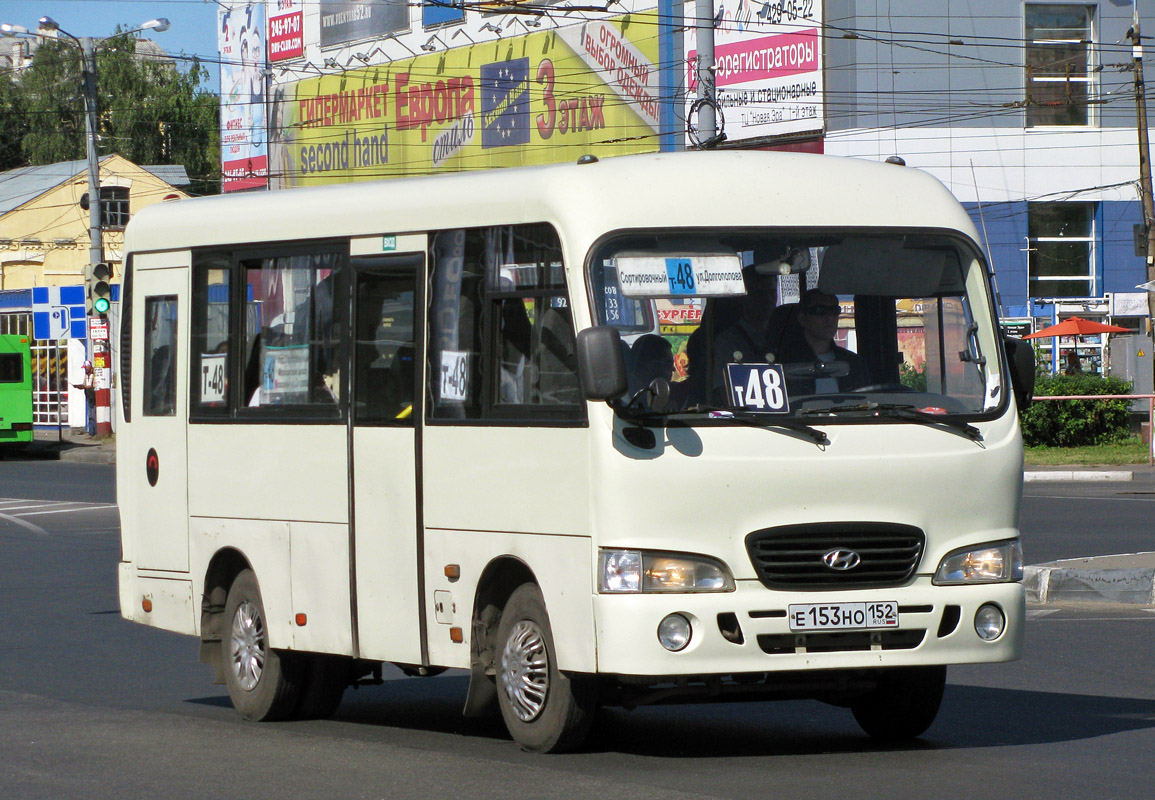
x: 899, y: 411
x: 768, y: 421
x: 642, y: 417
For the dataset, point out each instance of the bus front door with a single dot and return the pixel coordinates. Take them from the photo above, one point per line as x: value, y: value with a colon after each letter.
x: 385, y: 420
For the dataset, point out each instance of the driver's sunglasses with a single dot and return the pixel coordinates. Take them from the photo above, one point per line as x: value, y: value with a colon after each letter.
x: 823, y: 311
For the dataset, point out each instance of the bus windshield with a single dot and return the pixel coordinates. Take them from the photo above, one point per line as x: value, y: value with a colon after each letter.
x: 859, y: 325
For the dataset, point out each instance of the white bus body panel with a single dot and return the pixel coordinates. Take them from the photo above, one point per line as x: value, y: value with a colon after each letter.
x: 385, y: 502
x: 156, y: 517
x: 705, y: 489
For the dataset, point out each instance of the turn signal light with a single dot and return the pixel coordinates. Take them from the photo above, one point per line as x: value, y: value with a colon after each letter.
x: 301, y: 620
x: 455, y: 636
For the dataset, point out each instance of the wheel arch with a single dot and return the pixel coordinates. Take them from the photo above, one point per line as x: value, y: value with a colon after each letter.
x: 222, y: 570
x: 498, y: 581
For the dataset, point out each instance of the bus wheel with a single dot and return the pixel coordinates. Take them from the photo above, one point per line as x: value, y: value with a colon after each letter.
x: 263, y: 684
x: 544, y: 710
x: 903, y: 705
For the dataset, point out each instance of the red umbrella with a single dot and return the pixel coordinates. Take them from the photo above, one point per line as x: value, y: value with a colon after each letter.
x: 1075, y: 326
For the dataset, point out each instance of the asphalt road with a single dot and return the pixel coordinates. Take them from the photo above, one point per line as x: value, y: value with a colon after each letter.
x: 92, y: 706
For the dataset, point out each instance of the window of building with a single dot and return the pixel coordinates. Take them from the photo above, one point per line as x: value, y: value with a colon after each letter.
x: 1061, y: 249
x: 501, y: 333
x: 1059, y: 69
x: 114, y: 206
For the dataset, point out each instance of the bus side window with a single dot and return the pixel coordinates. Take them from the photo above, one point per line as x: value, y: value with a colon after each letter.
x: 502, y: 342
x: 159, y: 356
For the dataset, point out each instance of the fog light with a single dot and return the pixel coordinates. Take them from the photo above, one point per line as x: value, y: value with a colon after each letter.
x: 674, y: 632
x: 990, y: 622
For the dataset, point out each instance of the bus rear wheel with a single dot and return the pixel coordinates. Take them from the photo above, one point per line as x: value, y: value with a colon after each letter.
x: 264, y: 685
x: 545, y: 710
x: 903, y: 705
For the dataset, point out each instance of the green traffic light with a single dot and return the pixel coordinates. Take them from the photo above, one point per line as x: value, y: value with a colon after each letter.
x: 100, y: 305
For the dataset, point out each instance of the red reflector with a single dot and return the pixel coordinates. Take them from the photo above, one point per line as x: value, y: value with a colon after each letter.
x: 146, y: 604
x: 302, y: 620
x: 453, y: 571
x: 455, y: 636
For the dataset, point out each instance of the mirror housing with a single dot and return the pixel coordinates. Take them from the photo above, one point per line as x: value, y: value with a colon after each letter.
x: 1021, y: 360
x: 601, y: 363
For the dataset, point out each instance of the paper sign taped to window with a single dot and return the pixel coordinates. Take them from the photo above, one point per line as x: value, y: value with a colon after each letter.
x: 454, y: 376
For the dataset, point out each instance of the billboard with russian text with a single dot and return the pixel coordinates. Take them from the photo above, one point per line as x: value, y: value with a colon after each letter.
x: 768, y: 58
x: 541, y: 98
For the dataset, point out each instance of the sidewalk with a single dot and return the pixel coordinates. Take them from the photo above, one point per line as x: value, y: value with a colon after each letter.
x: 71, y: 445
x: 1127, y: 578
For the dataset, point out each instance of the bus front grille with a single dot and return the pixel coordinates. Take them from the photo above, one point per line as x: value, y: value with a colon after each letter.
x: 835, y: 555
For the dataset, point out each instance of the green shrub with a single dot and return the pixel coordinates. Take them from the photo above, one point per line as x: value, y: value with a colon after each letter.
x: 1076, y: 423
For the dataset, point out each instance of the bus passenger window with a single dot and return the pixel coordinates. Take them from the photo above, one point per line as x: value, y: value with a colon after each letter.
x: 292, y: 348
x: 502, y: 342
x: 160, y: 315
x: 212, y: 309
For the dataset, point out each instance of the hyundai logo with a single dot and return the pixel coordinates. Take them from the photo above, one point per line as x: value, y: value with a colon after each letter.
x: 842, y: 560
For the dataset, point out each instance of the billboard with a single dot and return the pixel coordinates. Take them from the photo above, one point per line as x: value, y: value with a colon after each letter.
x: 769, y: 67
x: 286, y: 31
x: 350, y: 20
x: 244, y: 151
x: 541, y: 98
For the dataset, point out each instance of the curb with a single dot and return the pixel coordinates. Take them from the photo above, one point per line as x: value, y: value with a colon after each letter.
x: 1078, y: 475
x: 1124, y: 579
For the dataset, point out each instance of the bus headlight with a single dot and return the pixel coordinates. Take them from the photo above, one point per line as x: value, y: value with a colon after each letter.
x: 989, y: 563
x: 634, y: 571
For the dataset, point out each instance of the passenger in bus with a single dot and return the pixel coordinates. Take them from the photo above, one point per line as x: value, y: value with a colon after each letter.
x: 816, y: 351
x: 651, y: 357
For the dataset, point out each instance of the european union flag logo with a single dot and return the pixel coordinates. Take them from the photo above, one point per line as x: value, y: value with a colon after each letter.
x: 505, y: 103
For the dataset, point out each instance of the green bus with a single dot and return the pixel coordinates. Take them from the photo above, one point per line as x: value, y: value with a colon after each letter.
x: 15, y: 390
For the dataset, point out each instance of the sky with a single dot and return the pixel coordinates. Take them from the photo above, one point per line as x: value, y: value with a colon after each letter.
x: 193, y: 29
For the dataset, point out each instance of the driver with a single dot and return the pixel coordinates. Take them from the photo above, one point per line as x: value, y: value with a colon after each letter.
x: 818, y: 314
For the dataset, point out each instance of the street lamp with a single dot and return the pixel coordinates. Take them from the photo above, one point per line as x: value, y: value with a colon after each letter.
x: 97, y: 273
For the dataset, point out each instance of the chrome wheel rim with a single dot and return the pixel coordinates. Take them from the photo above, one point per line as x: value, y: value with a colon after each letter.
x: 525, y: 670
x: 248, y: 646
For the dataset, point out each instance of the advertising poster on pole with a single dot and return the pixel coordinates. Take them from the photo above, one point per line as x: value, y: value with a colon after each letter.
x: 549, y: 96
x: 244, y: 151
x: 769, y: 62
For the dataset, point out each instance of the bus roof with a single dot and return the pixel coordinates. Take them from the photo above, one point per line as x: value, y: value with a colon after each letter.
x: 659, y: 190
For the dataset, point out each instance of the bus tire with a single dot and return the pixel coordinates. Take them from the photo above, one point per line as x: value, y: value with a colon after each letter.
x: 544, y: 710
x: 322, y: 687
x: 264, y: 684
x: 903, y: 705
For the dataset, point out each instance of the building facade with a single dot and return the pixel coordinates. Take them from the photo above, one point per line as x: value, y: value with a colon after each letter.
x: 44, y: 245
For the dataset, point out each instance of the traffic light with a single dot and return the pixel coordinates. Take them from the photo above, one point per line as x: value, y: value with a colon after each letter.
x: 99, y: 290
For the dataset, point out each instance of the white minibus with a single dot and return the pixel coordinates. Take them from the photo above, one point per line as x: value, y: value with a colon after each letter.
x: 439, y: 423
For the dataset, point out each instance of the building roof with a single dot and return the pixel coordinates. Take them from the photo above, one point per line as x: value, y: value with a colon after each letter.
x: 19, y: 186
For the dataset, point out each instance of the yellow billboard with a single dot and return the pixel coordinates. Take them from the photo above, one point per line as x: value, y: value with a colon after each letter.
x: 544, y: 97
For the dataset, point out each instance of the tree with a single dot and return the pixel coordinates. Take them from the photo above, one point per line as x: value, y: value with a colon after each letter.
x: 13, y: 125
x: 149, y: 111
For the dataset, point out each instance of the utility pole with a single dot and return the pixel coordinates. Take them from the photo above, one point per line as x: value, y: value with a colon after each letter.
x: 707, y: 89
x: 1145, y: 194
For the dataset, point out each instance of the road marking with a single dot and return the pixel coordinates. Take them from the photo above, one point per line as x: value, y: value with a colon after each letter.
x: 34, y: 528
x: 66, y: 510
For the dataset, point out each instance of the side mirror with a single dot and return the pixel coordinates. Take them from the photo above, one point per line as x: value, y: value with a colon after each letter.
x: 1021, y: 358
x: 601, y: 365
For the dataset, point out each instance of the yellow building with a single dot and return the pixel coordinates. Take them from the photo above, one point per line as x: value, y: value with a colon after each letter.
x: 44, y: 217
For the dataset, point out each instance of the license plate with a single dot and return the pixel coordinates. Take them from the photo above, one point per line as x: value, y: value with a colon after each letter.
x: 843, y: 616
